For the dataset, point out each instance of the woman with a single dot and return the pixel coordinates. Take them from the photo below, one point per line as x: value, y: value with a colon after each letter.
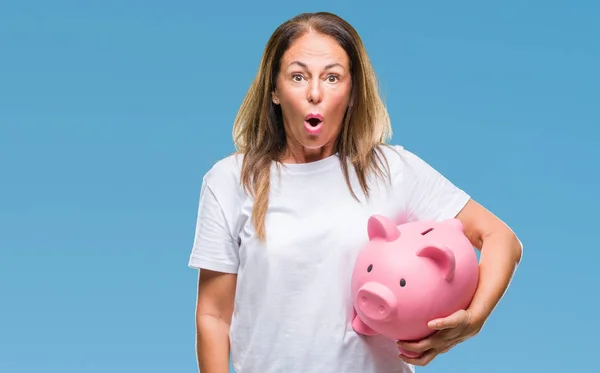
x: 280, y: 223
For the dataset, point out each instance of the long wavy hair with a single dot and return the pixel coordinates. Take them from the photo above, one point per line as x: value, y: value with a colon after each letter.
x: 258, y: 130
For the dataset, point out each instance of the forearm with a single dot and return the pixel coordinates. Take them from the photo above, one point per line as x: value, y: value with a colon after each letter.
x: 500, y: 255
x: 212, y: 344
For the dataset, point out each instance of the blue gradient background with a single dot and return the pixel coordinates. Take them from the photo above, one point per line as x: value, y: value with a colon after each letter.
x: 111, y: 112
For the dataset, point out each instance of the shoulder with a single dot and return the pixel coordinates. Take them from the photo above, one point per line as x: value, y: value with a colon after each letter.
x: 223, y: 179
x: 225, y: 171
x: 427, y: 194
x: 406, y: 167
x: 391, y: 151
x: 401, y: 159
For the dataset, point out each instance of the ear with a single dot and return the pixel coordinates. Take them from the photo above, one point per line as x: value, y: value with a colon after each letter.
x: 442, y: 256
x: 456, y: 224
x: 274, y: 97
x: 382, y: 227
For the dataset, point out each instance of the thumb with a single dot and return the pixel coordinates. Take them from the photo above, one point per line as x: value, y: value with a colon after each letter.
x: 452, y: 321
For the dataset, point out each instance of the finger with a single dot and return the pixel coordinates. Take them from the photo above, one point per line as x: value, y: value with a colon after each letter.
x: 422, y: 345
x: 422, y: 360
x: 454, y: 320
x: 418, y: 347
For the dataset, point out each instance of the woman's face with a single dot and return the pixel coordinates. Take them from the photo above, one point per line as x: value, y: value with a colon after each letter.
x: 313, y: 89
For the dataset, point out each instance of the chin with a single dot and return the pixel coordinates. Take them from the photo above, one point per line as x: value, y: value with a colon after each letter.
x: 315, y: 144
x: 324, y: 140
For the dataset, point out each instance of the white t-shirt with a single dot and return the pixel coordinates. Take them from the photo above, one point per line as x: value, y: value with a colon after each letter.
x: 293, y: 310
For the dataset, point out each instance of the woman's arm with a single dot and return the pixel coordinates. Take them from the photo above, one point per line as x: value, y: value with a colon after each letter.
x: 501, y: 253
x: 216, y: 292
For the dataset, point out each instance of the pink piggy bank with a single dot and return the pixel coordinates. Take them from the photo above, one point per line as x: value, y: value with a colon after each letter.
x: 410, y: 274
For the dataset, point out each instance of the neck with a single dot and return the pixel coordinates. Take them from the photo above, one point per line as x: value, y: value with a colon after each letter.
x: 302, y: 154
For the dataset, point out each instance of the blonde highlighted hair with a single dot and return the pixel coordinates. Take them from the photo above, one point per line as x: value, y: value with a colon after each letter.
x: 258, y: 130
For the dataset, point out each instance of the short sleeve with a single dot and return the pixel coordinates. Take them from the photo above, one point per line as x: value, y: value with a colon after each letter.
x: 428, y: 195
x: 214, y: 247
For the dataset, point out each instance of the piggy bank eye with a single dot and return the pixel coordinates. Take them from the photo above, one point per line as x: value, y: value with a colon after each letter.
x: 370, y: 268
x: 402, y: 282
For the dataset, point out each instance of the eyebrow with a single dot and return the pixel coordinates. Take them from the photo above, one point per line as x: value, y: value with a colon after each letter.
x: 302, y: 64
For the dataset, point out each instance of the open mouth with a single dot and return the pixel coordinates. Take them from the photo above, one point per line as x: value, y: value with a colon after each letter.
x: 314, y: 121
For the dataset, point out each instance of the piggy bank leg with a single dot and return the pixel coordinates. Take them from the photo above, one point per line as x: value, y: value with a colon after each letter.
x: 360, y: 327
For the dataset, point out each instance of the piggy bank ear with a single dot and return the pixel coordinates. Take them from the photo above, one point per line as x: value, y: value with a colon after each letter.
x: 382, y: 227
x: 456, y: 224
x: 442, y: 256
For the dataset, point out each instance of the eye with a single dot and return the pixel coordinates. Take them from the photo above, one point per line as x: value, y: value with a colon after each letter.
x: 332, y: 78
x: 370, y: 268
x: 402, y: 282
x: 297, y: 77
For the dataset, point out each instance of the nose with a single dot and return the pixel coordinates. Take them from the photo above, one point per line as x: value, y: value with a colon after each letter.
x: 315, y: 95
x: 376, y: 301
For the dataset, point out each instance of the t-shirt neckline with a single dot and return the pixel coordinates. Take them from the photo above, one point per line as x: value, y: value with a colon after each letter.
x: 315, y: 166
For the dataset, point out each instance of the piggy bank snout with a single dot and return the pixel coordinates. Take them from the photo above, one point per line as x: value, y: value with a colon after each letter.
x: 376, y: 301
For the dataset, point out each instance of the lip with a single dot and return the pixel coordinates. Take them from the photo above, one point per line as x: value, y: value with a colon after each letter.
x: 312, y: 115
x: 313, y: 130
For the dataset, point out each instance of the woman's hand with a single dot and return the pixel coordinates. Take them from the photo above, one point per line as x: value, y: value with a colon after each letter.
x: 450, y: 331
